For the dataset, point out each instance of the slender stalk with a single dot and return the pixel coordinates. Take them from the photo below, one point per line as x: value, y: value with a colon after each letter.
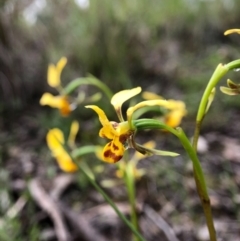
x: 90, y: 80
x: 198, y: 172
x: 110, y: 202
x: 196, y: 134
x: 130, y: 184
x: 200, y: 183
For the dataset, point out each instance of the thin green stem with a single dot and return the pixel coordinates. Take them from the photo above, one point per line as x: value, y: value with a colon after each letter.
x: 196, y: 135
x: 198, y: 172
x: 111, y: 203
x: 84, y: 150
x: 90, y: 80
x: 233, y: 65
x: 196, y: 163
x: 130, y: 184
x: 200, y: 183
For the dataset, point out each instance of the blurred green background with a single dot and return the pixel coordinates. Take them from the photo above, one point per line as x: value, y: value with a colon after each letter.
x: 168, y: 47
x: 171, y: 48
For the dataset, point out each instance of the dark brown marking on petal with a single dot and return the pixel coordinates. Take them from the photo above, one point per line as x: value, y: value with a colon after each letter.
x: 109, y: 154
x: 123, y: 138
x: 115, y: 147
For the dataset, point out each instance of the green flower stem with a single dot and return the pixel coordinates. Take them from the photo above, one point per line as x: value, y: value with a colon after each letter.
x: 130, y: 184
x: 83, y: 151
x: 200, y: 183
x: 110, y: 202
x: 233, y: 65
x: 198, y: 172
x: 219, y: 72
x: 91, y: 80
x: 143, y: 124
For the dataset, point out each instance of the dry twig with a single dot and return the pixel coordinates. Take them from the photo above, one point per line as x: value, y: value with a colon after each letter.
x: 160, y: 222
x: 50, y: 207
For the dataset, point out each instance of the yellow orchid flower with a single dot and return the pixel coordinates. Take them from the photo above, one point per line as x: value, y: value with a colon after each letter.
x: 177, y: 109
x: 60, y: 101
x: 117, y: 132
x: 121, y: 134
x: 230, y: 31
x: 56, y: 142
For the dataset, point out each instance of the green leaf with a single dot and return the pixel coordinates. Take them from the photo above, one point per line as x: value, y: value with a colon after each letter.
x: 149, y: 151
x: 83, y: 151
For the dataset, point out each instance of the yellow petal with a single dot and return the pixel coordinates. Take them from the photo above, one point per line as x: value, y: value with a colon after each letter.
x: 175, y: 104
x: 48, y: 99
x: 132, y: 109
x: 230, y: 31
x: 61, y: 64
x: 53, y: 77
x: 119, y: 98
x: 174, y: 117
x: 123, y: 129
x: 65, y: 161
x: 113, y: 151
x: 55, y: 139
x: 73, y: 133
x: 59, y: 102
x: 53, y: 101
x: 54, y: 72
x: 55, y: 142
x: 107, y: 131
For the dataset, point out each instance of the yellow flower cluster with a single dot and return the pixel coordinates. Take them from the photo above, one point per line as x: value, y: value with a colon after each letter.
x: 60, y: 101
x: 121, y: 134
x: 56, y: 143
